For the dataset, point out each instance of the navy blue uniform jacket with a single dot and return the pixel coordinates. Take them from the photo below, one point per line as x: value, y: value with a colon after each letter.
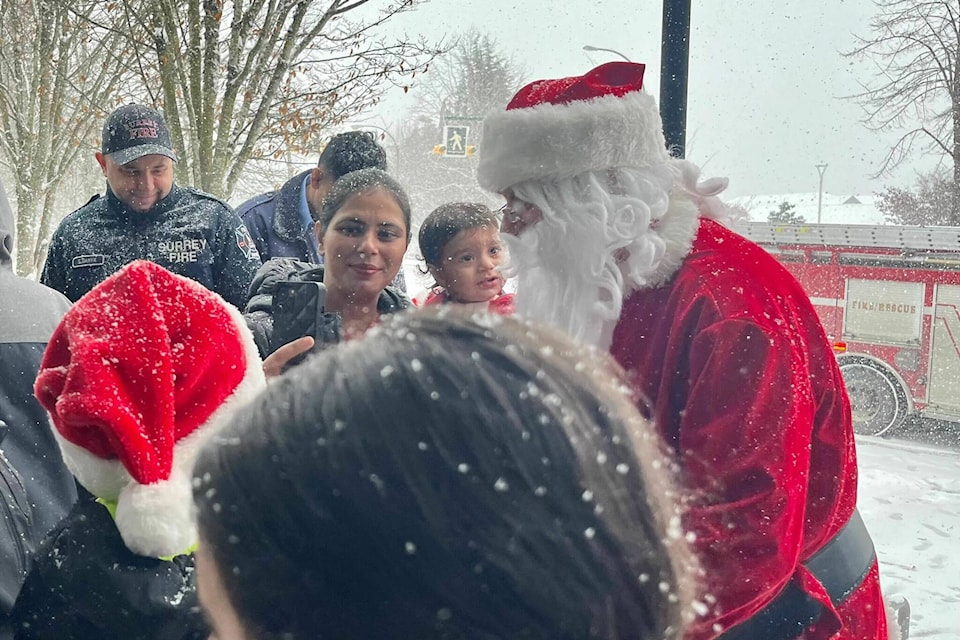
x: 189, y: 233
x: 273, y: 220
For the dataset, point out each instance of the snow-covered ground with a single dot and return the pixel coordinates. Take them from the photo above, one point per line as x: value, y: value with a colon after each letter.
x: 909, y: 496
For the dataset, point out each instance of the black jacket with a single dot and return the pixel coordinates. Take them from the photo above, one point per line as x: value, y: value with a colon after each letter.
x: 26, y: 324
x: 259, y: 310
x: 188, y: 232
x: 85, y: 583
x: 17, y: 540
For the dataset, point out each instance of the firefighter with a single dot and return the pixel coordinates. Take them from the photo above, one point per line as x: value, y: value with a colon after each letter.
x: 145, y: 215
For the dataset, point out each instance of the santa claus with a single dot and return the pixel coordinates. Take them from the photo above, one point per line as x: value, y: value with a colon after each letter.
x: 618, y: 243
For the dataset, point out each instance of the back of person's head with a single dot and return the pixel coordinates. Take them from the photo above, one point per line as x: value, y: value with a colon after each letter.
x: 440, y: 478
x: 364, y: 181
x: 351, y: 151
x: 446, y: 221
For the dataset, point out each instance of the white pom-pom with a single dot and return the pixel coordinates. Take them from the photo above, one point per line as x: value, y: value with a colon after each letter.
x: 156, y: 520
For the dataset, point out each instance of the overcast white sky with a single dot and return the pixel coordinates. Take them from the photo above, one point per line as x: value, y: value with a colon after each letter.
x: 766, y: 78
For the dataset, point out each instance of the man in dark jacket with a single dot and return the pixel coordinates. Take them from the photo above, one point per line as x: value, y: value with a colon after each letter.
x: 281, y: 222
x: 144, y: 215
x: 28, y: 441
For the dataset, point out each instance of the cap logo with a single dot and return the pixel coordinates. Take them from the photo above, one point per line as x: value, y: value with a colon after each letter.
x: 143, y: 129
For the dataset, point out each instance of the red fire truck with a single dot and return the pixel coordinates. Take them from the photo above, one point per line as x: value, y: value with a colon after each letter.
x: 889, y: 299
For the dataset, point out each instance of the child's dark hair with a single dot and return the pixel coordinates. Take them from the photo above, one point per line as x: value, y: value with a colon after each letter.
x: 446, y: 221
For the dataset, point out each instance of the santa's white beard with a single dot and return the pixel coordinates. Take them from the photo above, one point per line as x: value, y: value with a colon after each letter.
x: 556, y: 287
x: 593, y: 246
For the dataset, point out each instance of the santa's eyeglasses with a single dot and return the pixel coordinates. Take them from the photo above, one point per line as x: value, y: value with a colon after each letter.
x: 512, y: 210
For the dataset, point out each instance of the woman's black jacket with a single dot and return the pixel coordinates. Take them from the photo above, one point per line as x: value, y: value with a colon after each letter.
x: 259, y: 310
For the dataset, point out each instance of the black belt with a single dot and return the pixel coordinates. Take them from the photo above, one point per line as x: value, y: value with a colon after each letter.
x: 840, y: 566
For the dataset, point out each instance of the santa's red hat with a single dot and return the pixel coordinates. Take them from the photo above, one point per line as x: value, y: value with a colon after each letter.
x: 140, y: 372
x: 557, y: 129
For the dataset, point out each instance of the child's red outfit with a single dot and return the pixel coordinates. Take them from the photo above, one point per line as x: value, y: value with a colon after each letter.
x: 502, y: 304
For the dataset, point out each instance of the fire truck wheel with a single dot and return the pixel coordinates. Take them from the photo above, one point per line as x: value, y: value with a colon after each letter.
x: 878, y: 400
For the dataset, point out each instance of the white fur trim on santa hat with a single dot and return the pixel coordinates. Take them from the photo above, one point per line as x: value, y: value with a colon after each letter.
x: 156, y: 520
x: 555, y: 142
x: 893, y: 624
x: 103, y: 478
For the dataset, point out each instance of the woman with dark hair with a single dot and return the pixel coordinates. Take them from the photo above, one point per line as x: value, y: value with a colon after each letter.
x: 363, y: 232
x: 442, y: 478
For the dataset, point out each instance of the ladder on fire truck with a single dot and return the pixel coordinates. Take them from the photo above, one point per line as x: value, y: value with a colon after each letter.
x: 853, y: 235
x: 892, y: 295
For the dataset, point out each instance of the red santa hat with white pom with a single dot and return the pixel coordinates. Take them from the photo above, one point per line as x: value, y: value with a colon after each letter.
x: 557, y: 129
x: 138, y: 375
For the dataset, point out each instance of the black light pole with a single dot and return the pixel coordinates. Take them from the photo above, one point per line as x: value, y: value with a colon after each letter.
x: 674, y: 63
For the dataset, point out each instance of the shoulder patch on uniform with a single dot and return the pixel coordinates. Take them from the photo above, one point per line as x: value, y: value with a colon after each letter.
x: 245, y: 243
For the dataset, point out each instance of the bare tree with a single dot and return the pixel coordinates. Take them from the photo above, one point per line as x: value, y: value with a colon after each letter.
x: 915, y: 45
x: 55, y: 76
x: 462, y: 86
x: 735, y: 213
x: 471, y: 79
x: 933, y: 201
x: 243, y: 80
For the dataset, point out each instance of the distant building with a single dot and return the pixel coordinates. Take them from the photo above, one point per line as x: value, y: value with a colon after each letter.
x: 845, y: 209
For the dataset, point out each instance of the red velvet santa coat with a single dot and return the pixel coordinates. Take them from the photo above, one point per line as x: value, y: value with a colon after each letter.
x: 745, y: 389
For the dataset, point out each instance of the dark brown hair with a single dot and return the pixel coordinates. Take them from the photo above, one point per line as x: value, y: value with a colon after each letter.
x: 441, y: 478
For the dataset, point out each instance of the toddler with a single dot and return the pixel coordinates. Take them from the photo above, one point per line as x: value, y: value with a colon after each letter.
x: 460, y: 242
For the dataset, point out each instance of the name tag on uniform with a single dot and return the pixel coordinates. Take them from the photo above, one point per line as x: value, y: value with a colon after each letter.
x: 88, y: 261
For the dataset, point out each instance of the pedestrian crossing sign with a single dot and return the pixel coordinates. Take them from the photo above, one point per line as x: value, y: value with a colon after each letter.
x: 455, y: 140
